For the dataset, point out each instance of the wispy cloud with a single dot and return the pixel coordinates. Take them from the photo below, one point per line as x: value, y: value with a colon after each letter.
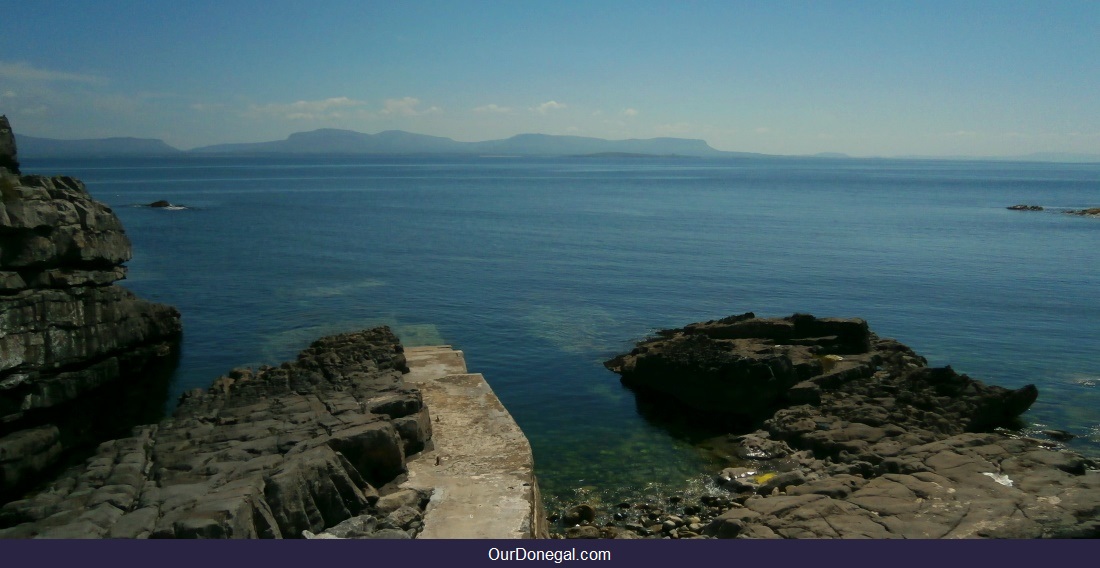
x: 37, y: 110
x: 493, y: 108
x: 548, y: 106
x: 206, y: 107
x: 961, y: 134
x: 630, y: 112
x: 407, y: 106
x: 675, y: 128
x: 324, y: 109
x: 24, y: 72
x: 762, y: 130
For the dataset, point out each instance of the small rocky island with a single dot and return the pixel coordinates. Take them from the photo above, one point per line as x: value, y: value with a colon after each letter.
x: 858, y: 438
x: 1090, y: 212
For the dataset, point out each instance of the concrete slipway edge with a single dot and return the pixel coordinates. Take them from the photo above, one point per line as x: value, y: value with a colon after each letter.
x: 479, y: 464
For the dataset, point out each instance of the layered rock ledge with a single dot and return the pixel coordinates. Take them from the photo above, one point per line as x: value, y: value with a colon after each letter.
x: 335, y: 444
x: 265, y: 454
x: 81, y: 359
x: 859, y: 439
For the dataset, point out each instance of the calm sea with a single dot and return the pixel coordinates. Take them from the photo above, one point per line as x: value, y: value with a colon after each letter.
x: 539, y: 269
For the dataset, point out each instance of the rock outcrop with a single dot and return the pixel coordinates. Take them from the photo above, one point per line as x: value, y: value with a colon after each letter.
x: 284, y: 451
x: 9, y: 158
x: 1024, y: 207
x: 862, y: 440
x: 81, y: 359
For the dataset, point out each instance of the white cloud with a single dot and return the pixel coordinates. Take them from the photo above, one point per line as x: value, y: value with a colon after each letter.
x: 493, y: 108
x: 35, y: 110
x: 630, y: 112
x: 762, y: 130
x: 8, y: 94
x: 24, y: 72
x: 407, y: 107
x: 548, y: 106
x: 324, y: 109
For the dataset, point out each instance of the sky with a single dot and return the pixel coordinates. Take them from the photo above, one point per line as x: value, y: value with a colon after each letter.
x: 879, y: 78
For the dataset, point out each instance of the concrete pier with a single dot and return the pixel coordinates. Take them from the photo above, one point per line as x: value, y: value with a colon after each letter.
x: 479, y: 465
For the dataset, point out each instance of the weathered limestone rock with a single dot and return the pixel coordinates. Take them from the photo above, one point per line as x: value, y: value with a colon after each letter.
x: 79, y: 356
x: 282, y: 452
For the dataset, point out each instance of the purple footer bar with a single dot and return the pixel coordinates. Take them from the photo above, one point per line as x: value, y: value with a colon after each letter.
x: 386, y: 554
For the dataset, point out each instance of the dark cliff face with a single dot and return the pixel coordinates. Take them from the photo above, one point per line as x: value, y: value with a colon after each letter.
x: 8, y: 155
x: 81, y: 359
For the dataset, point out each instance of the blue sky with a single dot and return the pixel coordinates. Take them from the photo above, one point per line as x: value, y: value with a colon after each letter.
x: 866, y: 78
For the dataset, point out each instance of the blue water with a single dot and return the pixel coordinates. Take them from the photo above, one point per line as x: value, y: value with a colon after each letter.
x: 539, y: 269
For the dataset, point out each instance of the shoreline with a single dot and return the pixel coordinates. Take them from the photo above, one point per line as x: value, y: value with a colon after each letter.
x: 859, y: 438
x: 810, y: 474
x: 335, y: 444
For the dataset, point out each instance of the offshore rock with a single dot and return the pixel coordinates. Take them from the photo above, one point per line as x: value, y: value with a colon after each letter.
x: 282, y: 452
x: 869, y: 444
x: 1090, y: 212
x: 81, y: 359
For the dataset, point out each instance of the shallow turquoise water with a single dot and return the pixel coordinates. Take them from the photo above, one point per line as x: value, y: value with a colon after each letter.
x: 539, y: 269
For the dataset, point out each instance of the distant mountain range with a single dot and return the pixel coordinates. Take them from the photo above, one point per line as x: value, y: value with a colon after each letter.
x: 34, y: 147
x: 393, y: 142
x: 335, y: 141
